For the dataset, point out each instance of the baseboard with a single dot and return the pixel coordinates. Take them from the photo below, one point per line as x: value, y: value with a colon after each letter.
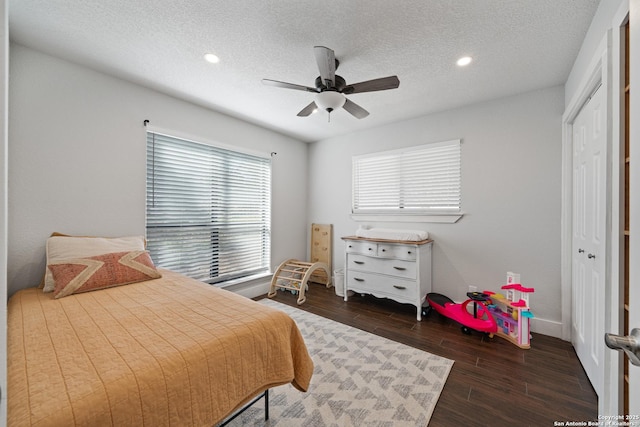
x: 546, y: 327
x: 251, y: 289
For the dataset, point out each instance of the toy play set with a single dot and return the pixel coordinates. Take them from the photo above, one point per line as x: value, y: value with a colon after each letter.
x: 507, y: 316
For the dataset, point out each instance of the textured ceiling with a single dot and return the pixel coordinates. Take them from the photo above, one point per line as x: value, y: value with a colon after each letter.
x: 517, y: 46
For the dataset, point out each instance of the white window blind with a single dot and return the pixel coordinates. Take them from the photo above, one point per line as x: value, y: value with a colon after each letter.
x: 208, y: 209
x: 417, y: 180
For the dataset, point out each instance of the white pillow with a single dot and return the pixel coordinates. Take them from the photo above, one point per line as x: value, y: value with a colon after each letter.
x: 60, y: 248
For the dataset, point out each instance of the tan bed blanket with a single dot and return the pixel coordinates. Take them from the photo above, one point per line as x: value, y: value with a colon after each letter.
x: 170, y: 351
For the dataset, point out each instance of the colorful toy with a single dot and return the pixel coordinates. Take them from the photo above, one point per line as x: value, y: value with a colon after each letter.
x: 512, y: 313
x: 505, y: 316
x: 481, y: 320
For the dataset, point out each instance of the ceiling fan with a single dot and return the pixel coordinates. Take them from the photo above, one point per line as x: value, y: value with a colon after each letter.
x: 330, y: 88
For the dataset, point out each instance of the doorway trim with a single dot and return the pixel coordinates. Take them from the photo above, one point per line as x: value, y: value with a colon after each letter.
x: 597, y: 73
x: 614, y: 378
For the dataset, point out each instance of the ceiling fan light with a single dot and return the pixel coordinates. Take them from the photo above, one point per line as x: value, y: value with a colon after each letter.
x: 330, y: 100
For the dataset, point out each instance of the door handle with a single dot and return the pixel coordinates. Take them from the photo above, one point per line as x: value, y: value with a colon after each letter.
x: 580, y: 251
x: 591, y: 256
x: 630, y: 344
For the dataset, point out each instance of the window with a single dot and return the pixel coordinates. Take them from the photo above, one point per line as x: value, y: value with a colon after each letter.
x: 208, y: 209
x: 423, y: 180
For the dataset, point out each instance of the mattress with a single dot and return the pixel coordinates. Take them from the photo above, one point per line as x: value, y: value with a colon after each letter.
x: 169, y: 351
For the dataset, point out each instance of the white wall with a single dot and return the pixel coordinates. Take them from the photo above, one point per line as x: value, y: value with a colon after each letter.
x: 511, y: 171
x: 77, y: 158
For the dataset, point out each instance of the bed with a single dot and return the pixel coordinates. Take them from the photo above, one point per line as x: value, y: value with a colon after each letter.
x: 165, y: 351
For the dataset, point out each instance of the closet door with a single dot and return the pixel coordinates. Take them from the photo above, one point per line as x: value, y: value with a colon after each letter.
x: 589, y: 210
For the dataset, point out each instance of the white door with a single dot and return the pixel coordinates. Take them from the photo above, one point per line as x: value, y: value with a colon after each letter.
x: 634, y: 198
x: 588, y: 286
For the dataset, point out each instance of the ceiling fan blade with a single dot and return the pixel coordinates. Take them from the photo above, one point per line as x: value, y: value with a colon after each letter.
x: 308, y: 110
x: 285, y: 85
x: 384, y: 83
x: 356, y: 111
x: 326, y: 60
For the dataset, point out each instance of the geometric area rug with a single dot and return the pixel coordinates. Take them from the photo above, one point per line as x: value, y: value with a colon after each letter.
x: 359, y: 379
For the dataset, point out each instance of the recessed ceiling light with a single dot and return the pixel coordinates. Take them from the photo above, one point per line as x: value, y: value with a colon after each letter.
x: 465, y: 60
x: 210, y: 57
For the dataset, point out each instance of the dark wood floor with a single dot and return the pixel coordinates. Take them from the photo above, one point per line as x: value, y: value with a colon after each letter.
x: 492, y: 383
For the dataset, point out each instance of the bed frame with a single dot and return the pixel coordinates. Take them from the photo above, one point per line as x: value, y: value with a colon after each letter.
x: 264, y: 394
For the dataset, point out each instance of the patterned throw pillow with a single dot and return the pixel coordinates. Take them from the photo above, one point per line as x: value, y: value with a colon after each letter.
x: 77, y: 275
x: 62, y: 247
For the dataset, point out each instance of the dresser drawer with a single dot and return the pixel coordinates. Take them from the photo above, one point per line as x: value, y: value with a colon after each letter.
x: 392, y: 267
x: 392, y: 287
x: 366, y: 248
x: 397, y: 251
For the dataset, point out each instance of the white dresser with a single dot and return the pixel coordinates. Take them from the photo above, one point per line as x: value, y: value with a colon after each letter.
x: 399, y: 270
